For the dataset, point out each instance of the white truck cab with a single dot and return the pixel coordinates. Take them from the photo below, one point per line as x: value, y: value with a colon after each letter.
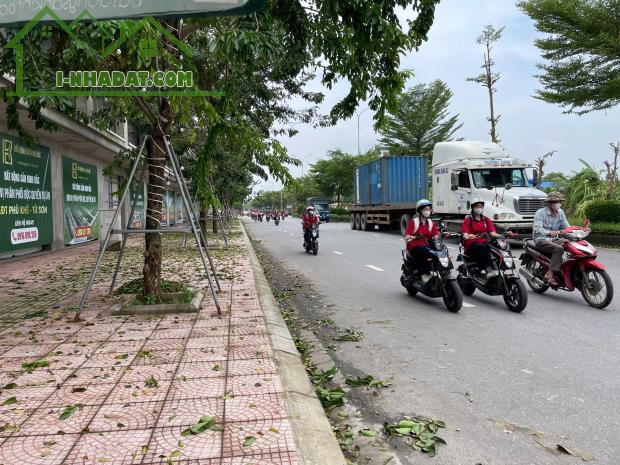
x: 465, y: 170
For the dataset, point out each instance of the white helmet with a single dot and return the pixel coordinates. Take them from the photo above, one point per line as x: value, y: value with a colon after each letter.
x: 476, y: 200
x: 310, y: 208
x: 423, y: 203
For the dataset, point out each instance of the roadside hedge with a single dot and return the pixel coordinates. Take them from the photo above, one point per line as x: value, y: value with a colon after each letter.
x: 339, y: 218
x: 603, y: 211
x: 338, y: 211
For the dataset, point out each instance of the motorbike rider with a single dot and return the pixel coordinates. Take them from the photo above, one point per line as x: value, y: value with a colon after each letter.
x: 308, y: 219
x: 420, y: 231
x: 476, y: 224
x: 548, y: 222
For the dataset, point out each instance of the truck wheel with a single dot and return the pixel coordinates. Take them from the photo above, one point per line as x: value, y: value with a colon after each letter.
x: 365, y: 225
x: 358, y: 221
x: 404, y: 222
x: 352, y: 221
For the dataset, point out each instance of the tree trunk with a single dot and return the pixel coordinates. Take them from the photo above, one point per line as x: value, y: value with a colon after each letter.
x: 156, y: 158
x: 204, y: 212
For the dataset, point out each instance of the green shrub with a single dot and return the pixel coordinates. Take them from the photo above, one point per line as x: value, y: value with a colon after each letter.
x: 603, y: 211
x: 339, y: 211
x: 339, y: 218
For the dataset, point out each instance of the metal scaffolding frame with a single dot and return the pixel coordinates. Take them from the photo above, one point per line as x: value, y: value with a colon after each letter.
x: 191, y: 215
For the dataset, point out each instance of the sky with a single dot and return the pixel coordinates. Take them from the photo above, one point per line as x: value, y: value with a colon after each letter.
x: 528, y: 127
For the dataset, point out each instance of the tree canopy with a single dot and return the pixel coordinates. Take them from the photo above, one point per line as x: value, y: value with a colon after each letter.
x: 420, y: 121
x: 582, y: 50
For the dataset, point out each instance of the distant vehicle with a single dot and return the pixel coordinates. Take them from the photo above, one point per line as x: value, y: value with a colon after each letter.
x: 387, y: 189
x: 321, y: 205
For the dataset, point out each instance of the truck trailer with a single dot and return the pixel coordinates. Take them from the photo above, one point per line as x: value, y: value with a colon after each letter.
x: 386, y: 190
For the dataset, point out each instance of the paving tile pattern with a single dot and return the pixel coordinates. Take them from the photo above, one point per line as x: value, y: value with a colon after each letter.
x: 122, y: 390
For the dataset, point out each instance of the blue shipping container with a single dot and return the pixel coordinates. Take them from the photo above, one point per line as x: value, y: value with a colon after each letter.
x: 392, y: 180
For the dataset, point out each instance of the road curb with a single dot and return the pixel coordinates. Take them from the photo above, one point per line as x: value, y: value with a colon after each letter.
x: 312, y: 431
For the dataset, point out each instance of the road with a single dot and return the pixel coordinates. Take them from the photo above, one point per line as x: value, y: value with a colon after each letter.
x: 495, y: 377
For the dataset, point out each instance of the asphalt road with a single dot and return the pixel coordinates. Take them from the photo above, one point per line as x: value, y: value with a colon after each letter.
x: 495, y: 377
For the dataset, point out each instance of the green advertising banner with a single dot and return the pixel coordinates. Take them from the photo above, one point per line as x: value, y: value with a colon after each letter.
x: 25, y: 195
x: 81, y: 201
x: 139, y: 214
x: 16, y: 12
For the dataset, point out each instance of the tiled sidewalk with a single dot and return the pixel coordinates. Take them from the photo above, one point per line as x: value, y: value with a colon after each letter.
x: 121, y: 390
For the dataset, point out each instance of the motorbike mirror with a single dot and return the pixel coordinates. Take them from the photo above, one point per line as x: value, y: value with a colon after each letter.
x: 508, y: 186
x: 489, y: 187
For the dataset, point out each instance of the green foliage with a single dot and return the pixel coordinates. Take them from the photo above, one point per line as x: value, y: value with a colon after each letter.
x: 421, y: 120
x: 338, y: 211
x: 334, y: 176
x: 423, y: 433
x: 604, y: 211
x: 586, y: 186
x: 582, y: 50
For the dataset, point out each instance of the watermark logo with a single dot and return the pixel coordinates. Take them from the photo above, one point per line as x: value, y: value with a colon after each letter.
x: 104, y: 83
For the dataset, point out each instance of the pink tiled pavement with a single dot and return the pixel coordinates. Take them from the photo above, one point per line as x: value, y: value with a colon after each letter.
x: 138, y: 382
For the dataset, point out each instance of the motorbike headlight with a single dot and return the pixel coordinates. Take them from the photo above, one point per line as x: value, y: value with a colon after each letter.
x: 509, y: 261
x: 445, y: 261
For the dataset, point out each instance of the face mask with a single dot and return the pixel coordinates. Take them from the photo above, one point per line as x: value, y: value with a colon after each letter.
x: 426, y: 213
x: 557, y: 206
x: 478, y: 211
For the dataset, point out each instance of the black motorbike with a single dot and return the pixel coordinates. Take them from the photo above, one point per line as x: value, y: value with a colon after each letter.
x: 276, y: 220
x: 499, y: 278
x: 311, y: 240
x: 442, y: 282
x: 268, y: 218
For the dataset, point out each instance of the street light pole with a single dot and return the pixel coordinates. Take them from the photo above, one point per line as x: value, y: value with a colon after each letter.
x: 302, y: 164
x: 358, y: 128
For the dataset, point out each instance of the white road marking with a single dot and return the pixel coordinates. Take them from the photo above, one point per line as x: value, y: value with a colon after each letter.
x: 337, y: 253
x: 466, y: 305
x: 372, y: 267
x: 291, y: 234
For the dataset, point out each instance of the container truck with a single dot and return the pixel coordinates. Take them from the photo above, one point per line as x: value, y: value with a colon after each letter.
x: 386, y: 190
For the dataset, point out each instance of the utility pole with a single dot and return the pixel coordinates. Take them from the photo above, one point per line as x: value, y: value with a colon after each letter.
x: 358, y: 129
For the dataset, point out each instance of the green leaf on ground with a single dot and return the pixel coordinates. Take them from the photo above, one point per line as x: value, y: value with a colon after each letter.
x: 78, y: 389
x: 10, y: 386
x: 349, y: 335
x: 368, y: 433
x: 151, y: 382
x: 421, y: 431
x: 330, y: 398
x: 324, y: 376
x: 9, y: 401
x: 144, y: 354
x: 175, y: 453
x: 218, y: 368
x: 249, y: 440
x: 121, y: 357
x: 70, y: 410
x: 30, y: 367
x: 205, y: 423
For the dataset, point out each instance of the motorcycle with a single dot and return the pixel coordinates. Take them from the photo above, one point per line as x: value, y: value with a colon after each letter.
x: 579, y: 271
x: 442, y: 282
x: 501, y: 279
x: 276, y: 220
x: 260, y: 218
x: 268, y: 218
x: 312, y: 245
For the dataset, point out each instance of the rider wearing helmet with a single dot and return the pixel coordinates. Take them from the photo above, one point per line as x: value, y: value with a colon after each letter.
x: 418, y: 234
x: 474, y: 226
x: 308, y: 219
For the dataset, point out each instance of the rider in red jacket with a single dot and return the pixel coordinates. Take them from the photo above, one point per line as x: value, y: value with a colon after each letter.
x: 308, y: 219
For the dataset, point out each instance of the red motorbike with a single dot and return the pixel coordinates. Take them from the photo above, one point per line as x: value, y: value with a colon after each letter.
x: 580, y: 270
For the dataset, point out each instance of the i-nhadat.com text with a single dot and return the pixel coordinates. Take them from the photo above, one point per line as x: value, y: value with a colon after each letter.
x: 129, y: 79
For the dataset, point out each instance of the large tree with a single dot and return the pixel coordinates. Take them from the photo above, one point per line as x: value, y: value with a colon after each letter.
x: 334, y: 175
x: 357, y: 41
x: 582, y: 50
x: 420, y: 121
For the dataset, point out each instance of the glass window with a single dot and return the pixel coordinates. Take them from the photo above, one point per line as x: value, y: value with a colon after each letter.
x: 464, y: 179
x: 112, y: 191
x: 499, y: 177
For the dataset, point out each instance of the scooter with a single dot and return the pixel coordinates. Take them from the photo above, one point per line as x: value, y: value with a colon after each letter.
x: 580, y: 269
x: 500, y: 278
x: 311, y: 240
x: 268, y: 217
x: 442, y: 282
x: 276, y: 220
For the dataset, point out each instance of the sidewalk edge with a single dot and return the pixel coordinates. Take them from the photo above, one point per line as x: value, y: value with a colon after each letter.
x: 315, y: 441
